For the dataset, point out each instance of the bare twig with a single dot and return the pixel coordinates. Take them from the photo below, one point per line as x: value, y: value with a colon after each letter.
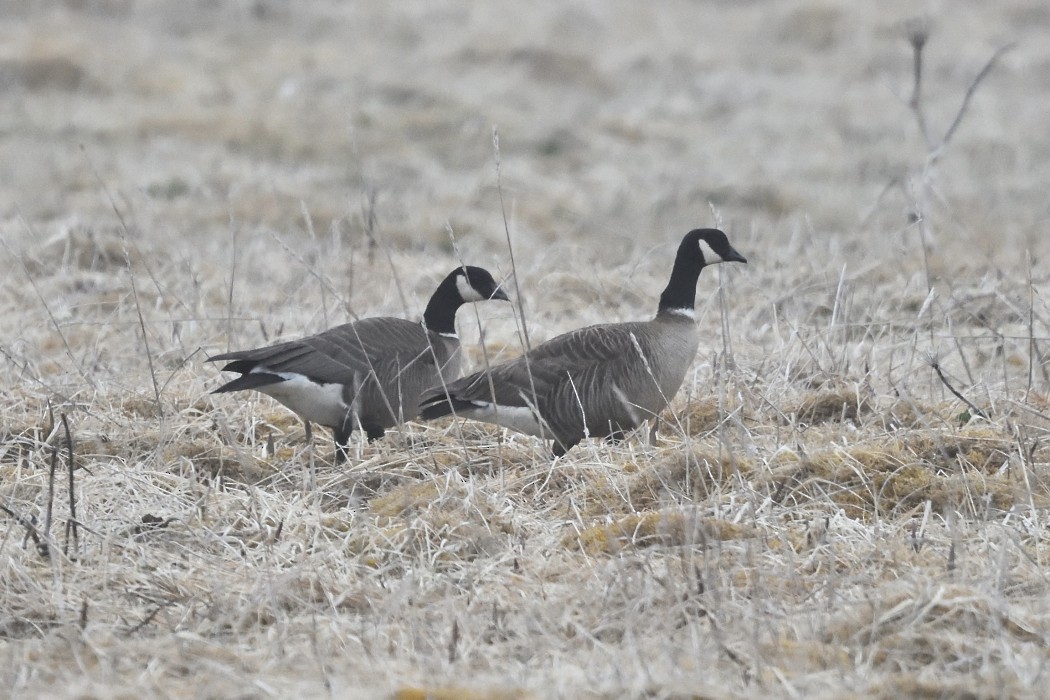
x: 38, y: 540
x: 71, y: 526
x: 510, y: 248
x: 148, y: 619
x: 526, y: 343
x: 924, y: 236
x: 142, y: 321
x: 233, y: 280
x: 917, y: 31
x: 368, y: 213
x: 51, y: 474
x: 969, y: 95
x: 1032, y: 348
x: 933, y: 362
x: 453, y: 642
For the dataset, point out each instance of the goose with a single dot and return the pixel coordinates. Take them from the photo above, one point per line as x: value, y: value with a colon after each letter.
x: 369, y: 373
x: 597, y: 381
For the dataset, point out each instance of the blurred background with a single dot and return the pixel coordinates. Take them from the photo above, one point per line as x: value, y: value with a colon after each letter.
x: 266, y: 152
x: 615, y: 119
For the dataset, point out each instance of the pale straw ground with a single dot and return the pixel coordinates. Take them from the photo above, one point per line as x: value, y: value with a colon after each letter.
x: 821, y: 517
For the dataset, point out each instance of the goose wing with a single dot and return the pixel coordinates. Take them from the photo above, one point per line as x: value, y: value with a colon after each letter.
x: 340, y: 355
x: 543, y: 372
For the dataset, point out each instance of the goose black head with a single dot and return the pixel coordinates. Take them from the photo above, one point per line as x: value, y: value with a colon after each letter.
x: 700, y: 247
x: 462, y: 285
x: 476, y: 284
x: 713, y: 246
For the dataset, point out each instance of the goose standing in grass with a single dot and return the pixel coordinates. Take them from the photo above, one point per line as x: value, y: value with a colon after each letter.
x: 369, y: 373
x: 598, y: 381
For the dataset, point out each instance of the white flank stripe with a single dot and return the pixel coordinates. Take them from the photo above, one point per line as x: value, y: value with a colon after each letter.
x: 519, y: 418
x: 319, y: 403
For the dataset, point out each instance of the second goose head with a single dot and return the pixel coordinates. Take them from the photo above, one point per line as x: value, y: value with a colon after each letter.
x: 461, y: 286
x: 699, y: 248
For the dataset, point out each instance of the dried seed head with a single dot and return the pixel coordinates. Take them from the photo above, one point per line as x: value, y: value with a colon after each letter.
x: 917, y: 30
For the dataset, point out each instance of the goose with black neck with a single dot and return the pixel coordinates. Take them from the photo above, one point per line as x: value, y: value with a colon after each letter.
x: 369, y: 373
x: 597, y: 381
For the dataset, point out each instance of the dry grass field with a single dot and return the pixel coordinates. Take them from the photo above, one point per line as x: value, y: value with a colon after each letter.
x: 822, y: 516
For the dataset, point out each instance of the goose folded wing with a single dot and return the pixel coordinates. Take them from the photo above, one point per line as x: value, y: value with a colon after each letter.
x: 339, y: 355
x: 528, y: 379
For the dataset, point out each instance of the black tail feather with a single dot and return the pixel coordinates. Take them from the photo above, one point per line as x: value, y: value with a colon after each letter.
x: 242, y: 366
x: 254, y: 380
x: 440, y: 406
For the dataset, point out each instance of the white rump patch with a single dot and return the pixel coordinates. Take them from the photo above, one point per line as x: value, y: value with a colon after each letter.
x: 319, y: 403
x: 685, y: 311
x: 467, y: 292
x: 710, y: 256
x: 519, y: 418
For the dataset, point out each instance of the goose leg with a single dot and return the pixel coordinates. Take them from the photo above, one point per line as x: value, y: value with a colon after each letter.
x: 561, y: 447
x: 342, y: 435
x: 374, y: 432
x: 652, y: 430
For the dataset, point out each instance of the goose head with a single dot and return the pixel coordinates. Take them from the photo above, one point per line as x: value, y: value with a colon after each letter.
x: 712, y: 246
x: 476, y: 284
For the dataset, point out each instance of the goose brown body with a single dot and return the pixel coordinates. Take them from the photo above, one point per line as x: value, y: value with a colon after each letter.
x: 378, y: 368
x: 370, y: 373
x: 597, y: 381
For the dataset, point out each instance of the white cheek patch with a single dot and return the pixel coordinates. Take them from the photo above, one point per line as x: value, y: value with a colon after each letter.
x: 467, y: 292
x: 710, y: 256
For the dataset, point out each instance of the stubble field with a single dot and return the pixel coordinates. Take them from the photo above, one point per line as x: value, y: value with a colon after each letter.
x: 821, y: 517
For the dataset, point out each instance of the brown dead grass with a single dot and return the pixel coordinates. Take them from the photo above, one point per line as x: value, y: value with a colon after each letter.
x: 666, y: 528
x: 840, y: 404
x: 973, y: 470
